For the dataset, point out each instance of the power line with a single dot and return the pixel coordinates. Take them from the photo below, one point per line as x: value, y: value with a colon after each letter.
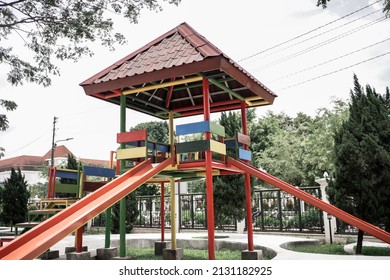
x: 336, y: 71
x: 26, y: 145
x: 331, y: 60
x: 321, y: 44
x: 320, y: 34
x: 306, y: 33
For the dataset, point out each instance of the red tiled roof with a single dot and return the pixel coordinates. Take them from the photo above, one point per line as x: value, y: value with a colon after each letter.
x: 27, y: 162
x: 179, y: 54
x: 94, y: 162
x: 59, y: 152
x: 21, y: 162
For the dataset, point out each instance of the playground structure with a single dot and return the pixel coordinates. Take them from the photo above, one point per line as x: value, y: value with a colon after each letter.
x: 177, y: 75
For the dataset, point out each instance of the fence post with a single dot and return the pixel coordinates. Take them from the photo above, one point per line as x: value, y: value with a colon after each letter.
x: 330, y: 227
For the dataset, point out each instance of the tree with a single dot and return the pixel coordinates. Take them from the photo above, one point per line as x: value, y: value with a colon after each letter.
x: 71, y: 164
x: 15, y: 197
x: 8, y: 106
x: 38, y: 190
x: 230, y: 190
x: 157, y: 131
x: 58, y: 30
x: 361, y: 181
x: 297, y: 150
x: 131, y: 214
x: 386, y: 4
x: 43, y: 24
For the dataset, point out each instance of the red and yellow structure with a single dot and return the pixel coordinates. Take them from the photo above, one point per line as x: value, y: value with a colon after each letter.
x: 177, y: 75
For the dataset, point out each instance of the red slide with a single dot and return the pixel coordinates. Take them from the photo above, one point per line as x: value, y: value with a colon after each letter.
x: 326, y: 207
x: 40, y: 238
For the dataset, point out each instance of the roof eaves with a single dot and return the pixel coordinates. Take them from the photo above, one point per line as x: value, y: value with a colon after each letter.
x: 126, y: 58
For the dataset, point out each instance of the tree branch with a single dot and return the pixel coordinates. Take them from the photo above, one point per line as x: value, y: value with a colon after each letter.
x: 6, y: 4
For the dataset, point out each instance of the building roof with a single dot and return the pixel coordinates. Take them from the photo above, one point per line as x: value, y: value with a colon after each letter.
x: 166, y: 75
x: 22, y: 162
x: 26, y: 162
x: 59, y: 152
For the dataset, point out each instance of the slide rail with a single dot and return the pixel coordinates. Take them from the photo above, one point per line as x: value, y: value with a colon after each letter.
x: 37, y: 240
x: 328, y: 208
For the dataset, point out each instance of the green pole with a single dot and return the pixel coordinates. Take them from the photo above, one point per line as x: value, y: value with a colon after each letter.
x: 107, y: 242
x: 122, y: 203
x: 173, y: 214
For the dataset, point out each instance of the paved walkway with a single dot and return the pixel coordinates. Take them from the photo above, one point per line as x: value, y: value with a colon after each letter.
x: 273, y: 242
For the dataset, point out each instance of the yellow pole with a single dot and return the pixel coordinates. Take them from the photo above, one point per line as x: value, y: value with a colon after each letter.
x: 173, y: 214
x: 162, y: 85
x: 171, y: 136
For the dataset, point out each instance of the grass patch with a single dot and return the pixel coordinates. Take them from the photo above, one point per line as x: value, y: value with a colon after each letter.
x: 331, y: 249
x: 338, y: 249
x: 189, y: 254
x: 375, y: 251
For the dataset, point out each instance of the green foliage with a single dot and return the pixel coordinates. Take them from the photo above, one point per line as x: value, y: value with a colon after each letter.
x: 189, y: 254
x: 148, y: 189
x: 38, y: 190
x: 229, y: 198
x: 71, y: 164
x: 361, y: 183
x: 8, y: 106
x: 338, y: 249
x: 14, y: 197
x: 386, y: 4
x: 332, y: 249
x: 43, y: 24
x: 297, y: 150
x: 229, y: 191
x: 231, y: 120
x: 158, y: 131
x: 200, y: 218
x: 132, y: 214
x: 198, y: 186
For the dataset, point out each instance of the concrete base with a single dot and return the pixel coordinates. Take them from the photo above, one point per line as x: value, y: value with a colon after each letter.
x: 50, y: 255
x: 73, y: 249
x: 173, y: 254
x: 106, y: 253
x: 159, y: 246
x: 252, y: 255
x: 124, y: 258
x: 78, y: 256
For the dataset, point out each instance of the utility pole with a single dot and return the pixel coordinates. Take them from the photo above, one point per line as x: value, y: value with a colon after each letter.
x: 53, y: 143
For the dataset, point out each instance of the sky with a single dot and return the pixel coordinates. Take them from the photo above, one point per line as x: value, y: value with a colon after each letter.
x: 305, y: 54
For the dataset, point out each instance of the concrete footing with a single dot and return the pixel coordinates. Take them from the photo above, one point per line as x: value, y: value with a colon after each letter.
x: 124, y: 258
x: 50, y: 255
x: 159, y: 246
x: 73, y: 249
x: 78, y: 256
x: 106, y: 253
x: 173, y: 254
x: 252, y: 255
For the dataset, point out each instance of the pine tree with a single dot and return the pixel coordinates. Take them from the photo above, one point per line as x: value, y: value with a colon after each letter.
x: 229, y: 191
x: 15, y: 198
x: 361, y: 183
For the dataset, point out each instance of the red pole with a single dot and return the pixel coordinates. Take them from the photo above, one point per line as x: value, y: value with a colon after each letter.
x: 49, y: 182
x: 79, y: 240
x: 162, y: 212
x: 52, y: 186
x: 209, y: 174
x: 247, y: 177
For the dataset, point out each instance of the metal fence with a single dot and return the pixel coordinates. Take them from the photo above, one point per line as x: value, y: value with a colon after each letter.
x: 278, y: 211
